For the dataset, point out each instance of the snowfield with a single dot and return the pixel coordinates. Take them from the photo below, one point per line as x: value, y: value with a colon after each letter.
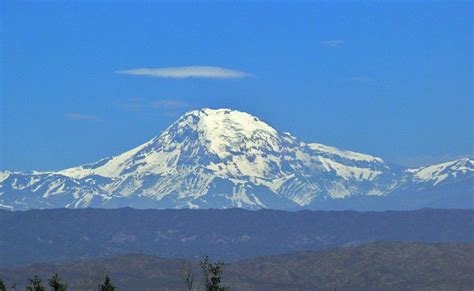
x: 220, y: 159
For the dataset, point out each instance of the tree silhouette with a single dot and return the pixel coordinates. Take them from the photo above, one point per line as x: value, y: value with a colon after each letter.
x: 186, y: 270
x: 35, y: 284
x: 107, y: 285
x: 93, y: 278
x: 56, y: 284
x: 2, y: 286
x: 212, y: 273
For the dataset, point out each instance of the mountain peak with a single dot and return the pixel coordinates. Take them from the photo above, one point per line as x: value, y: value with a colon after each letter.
x: 220, y: 130
x: 198, y: 137
x: 224, y: 121
x: 444, y: 171
x: 224, y: 158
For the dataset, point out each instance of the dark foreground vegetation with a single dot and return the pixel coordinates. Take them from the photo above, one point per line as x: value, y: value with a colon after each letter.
x: 374, y: 266
x: 211, y: 279
x: 40, y: 236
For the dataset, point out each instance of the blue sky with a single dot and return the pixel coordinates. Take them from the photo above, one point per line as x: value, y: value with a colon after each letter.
x: 390, y: 79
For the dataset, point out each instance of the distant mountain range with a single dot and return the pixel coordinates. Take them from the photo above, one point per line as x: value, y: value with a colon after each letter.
x: 224, y: 158
x: 375, y: 266
x: 58, y: 235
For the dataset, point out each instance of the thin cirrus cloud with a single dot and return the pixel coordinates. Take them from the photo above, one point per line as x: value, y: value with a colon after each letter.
x: 361, y: 79
x: 169, y: 104
x: 168, y: 107
x: 80, y: 117
x: 332, y: 42
x: 209, y: 72
x: 171, y: 107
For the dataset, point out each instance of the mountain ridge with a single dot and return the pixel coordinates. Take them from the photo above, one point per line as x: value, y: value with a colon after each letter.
x: 406, y: 266
x: 219, y: 159
x: 54, y: 235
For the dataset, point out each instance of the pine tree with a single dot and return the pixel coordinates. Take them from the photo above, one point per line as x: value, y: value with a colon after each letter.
x: 2, y: 286
x: 107, y: 285
x: 56, y: 284
x: 212, y: 273
x: 35, y: 284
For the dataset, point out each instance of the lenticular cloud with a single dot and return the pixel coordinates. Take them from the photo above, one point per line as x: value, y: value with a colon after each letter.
x: 187, y: 72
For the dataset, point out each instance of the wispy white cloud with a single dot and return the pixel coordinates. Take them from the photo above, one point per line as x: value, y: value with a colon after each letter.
x: 169, y: 103
x: 360, y: 79
x: 187, y: 72
x: 133, y: 104
x: 81, y: 117
x: 169, y: 107
x: 332, y: 42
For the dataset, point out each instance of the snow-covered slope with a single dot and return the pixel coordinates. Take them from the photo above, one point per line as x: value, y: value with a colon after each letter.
x: 220, y: 158
x: 444, y: 172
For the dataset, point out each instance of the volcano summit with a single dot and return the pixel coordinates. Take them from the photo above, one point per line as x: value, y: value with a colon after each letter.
x: 225, y: 158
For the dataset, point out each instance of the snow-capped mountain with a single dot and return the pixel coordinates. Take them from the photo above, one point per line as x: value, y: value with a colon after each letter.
x: 220, y: 159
